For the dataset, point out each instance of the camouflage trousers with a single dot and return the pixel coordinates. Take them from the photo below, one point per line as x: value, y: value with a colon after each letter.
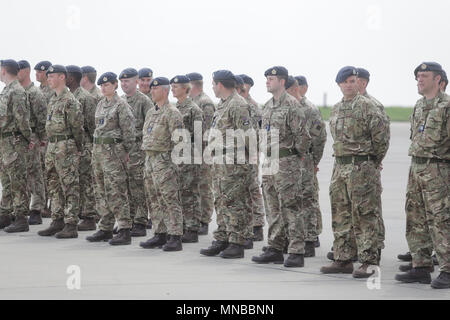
x: 111, y: 186
x: 163, y: 188
x: 35, y: 178
x: 282, y: 192
x: 428, y: 214
x: 190, y: 196
x: 15, y: 194
x: 316, y: 205
x: 42, y: 153
x: 308, y: 205
x: 62, y: 164
x: 355, y: 211
x: 256, y: 203
x: 138, y: 199
x: 233, y: 212
x: 205, y: 187
x: 87, y: 195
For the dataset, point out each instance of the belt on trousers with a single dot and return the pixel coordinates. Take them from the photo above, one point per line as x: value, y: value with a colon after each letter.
x: 60, y: 138
x: 107, y: 140
x: 419, y: 160
x: 10, y: 134
x: 354, y: 159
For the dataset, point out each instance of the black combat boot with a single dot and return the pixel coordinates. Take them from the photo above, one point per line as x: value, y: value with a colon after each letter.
x: 421, y: 275
x: 258, y: 233
x: 233, y: 251
x: 5, y: 221
x: 270, y: 255
x: 405, y: 257
x: 317, y: 243
x: 248, y: 244
x: 215, y: 248
x: 338, y: 267
x: 295, y: 261
x: 55, y: 227
x: 69, y: 232
x: 203, y: 231
x: 157, y: 241
x: 310, y: 250
x: 87, y: 224
x: 123, y: 238
x: 138, y: 230
x: 174, y: 244
x: 149, y: 224
x: 100, y: 235
x: 442, y: 281
x: 190, y: 236
x: 20, y: 225
x: 35, y: 218
x: 407, y: 267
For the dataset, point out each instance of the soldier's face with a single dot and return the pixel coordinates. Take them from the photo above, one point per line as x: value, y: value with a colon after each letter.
x: 292, y: 90
x: 216, y: 88
x: 108, y: 89
x: 349, y: 87
x: 22, y: 75
x: 128, y: 85
x: 426, y: 82
x: 2, y: 74
x: 55, y: 80
x: 158, y: 93
x: 144, y: 84
x: 84, y: 82
x: 40, y: 75
x: 273, y: 84
x: 303, y: 89
x: 178, y: 90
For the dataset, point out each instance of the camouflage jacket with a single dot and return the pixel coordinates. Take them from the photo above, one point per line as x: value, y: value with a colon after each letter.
x: 47, y: 91
x: 289, y: 119
x: 140, y: 104
x: 38, y: 111
x: 14, y: 110
x: 317, y: 129
x: 88, y: 106
x: 359, y: 128
x: 430, y: 128
x: 114, y: 119
x: 191, y: 113
x: 96, y: 93
x: 255, y: 112
x: 64, y: 117
x: 378, y: 104
x: 159, y: 125
x: 207, y: 106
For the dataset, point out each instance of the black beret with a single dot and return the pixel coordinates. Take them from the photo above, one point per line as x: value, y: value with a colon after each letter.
x: 363, y: 73
x: 428, y: 66
x: 223, y: 75
x: 180, y: 79
x: 247, y: 80
x: 194, y: 76
x: 346, y: 72
x: 301, y: 80
x: 128, y: 73
x: 88, y: 69
x: 276, y: 71
x: 23, y: 64
x: 43, y: 66
x: 74, y: 69
x: 56, y: 68
x: 290, y: 82
x: 145, y: 73
x: 10, y: 63
x: 107, y: 77
x: 160, y: 81
x: 239, y: 80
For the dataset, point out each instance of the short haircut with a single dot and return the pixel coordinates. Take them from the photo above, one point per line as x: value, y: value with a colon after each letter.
x: 77, y: 76
x: 229, y: 84
x: 283, y: 77
x: 92, y: 76
x: 11, y: 70
x: 197, y: 83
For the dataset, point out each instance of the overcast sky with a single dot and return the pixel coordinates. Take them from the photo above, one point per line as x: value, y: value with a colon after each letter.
x: 311, y: 38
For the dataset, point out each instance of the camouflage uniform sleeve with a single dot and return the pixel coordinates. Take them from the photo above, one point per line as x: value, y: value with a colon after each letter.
x: 91, y: 107
x: 21, y: 113
x: 318, y: 143
x: 75, y: 120
x: 197, y: 116
x: 40, y: 110
x: 147, y: 106
x: 298, y: 125
x: 208, y: 115
x: 242, y: 120
x: 380, y: 132
x: 126, y: 123
x: 175, y: 121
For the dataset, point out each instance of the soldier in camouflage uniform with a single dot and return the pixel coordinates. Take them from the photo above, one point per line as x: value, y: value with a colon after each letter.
x: 88, y: 105
x: 64, y: 127
x: 206, y: 171
x: 234, y: 176
x: 428, y: 192
x: 361, y: 140
x: 189, y: 175
x: 16, y: 137
x: 140, y: 104
x: 114, y: 137
x: 283, y: 188
x: 38, y: 112
x: 145, y: 79
x: 309, y: 164
x: 161, y: 173
x: 88, y: 82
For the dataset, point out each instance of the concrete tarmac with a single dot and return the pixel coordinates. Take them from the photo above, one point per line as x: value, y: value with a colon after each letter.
x: 34, y: 267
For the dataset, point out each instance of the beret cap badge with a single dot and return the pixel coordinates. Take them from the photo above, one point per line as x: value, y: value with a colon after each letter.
x: 176, y: 80
x: 105, y: 79
x: 423, y: 66
x: 42, y: 68
x: 155, y: 83
x: 274, y: 71
x: 51, y: 69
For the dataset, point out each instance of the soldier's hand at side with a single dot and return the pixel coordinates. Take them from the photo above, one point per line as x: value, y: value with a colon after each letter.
x: 316, y: 169
x: 380, y: 167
